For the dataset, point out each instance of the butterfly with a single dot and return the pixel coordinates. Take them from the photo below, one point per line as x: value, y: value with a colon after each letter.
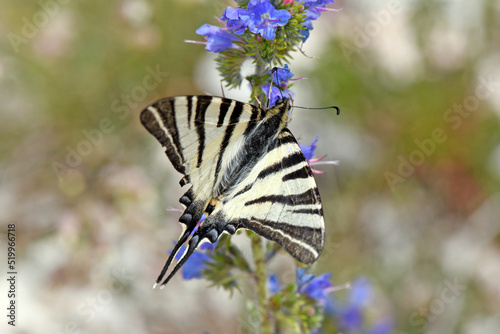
x: 246, y: 171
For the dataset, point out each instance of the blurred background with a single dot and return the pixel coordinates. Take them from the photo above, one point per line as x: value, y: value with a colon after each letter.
x: 414, y: 205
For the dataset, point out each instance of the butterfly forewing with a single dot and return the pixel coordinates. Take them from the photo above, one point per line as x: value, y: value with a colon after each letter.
x: 246, y: 171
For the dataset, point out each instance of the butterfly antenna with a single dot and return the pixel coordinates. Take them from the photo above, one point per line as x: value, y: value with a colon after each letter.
x: 330, y: 107
x: 193, y: 244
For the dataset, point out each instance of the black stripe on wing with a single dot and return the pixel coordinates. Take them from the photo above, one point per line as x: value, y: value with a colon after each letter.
x: 303, y: 243
x: 233, y: 120
x: 159, y: 120
x: 297, y: 174
x: 307, y: 197
x: 224, y: 107
x: 257, y: 115
x: 202, y: 104
x: 306, y: 234
x: 315, y: 211
x: 303, y: 235
x: 189, y: 99
x: 289, y: 161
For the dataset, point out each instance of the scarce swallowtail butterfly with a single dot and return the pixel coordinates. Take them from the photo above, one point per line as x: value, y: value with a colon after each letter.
x: 246, y: 170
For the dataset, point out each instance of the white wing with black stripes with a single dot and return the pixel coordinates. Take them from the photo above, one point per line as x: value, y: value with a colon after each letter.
x: 246, y: 171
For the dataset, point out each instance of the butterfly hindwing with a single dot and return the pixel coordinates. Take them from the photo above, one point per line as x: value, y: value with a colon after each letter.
x: 279, y: 200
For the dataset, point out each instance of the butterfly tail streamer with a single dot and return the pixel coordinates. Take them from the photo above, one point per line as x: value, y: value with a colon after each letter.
x: 177, y: 246
x: 194, y: 242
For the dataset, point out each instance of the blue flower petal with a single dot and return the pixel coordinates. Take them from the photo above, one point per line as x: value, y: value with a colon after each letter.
x: 318, y: 288
x: 361, y: 292
x: 276, y: 94
x: 303, y: 277
x: 194, y: 265
x: 217, y: 39
x: 208, y: 246
x: 264, y: 18
x: 309, y: 150
x: 196, y: 262
x: 273, y: 284
x: 351, y: 319
x: 237, y: 19
x: 281, y: 76
x: 314, y: 8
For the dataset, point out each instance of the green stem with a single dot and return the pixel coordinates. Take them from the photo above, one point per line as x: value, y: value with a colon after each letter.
x: 261, y: 281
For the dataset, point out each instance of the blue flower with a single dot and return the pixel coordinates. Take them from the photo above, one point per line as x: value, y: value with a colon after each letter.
x: 303, y: 278
x: 237, y: 19
x: 217, y: 39
x: 273, y: 284
x: 264, y: 18
x: 314, y: 8
x: 359, y: 298
x: 316, y: 287
x: 276, y: 94
x: 361, y: 292
x: 351, y: 318
x: 208, y: 246
x: 305, y: 33
x: 316, y: 3
x: 197, y: 261
x: 195, y: 265
x: 281, y: 76
x: 309, y: 150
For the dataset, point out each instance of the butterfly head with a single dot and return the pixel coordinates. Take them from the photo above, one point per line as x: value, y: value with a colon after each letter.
x: 282, y: 108
x: 282, y: 104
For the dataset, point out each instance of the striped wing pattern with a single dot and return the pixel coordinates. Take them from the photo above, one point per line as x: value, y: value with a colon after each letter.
x: 246, y: 171
x: 279, y: 200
